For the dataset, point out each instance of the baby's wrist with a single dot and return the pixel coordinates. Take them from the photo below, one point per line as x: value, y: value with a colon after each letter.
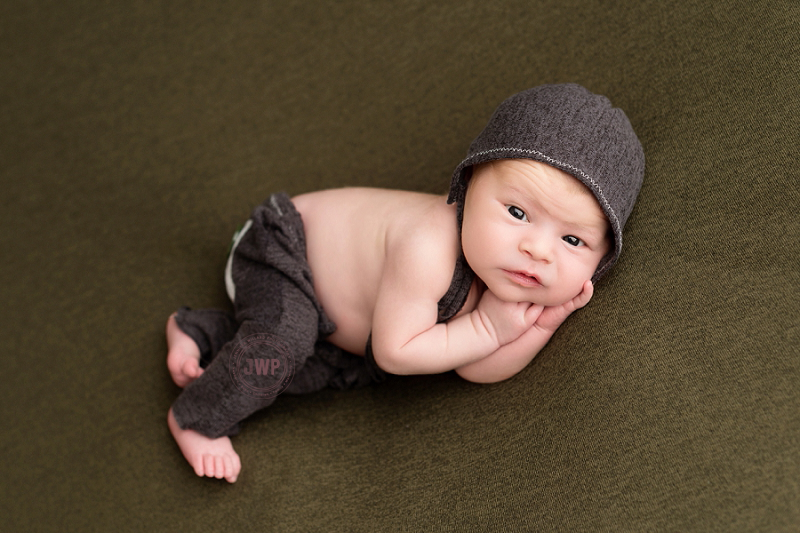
x: 487, y: 335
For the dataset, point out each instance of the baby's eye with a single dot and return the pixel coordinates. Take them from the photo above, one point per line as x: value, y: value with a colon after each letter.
x: 517, y: 213
x: 572, y: 240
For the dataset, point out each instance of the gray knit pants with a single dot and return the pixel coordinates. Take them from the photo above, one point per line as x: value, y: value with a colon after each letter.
x: 273, y: 295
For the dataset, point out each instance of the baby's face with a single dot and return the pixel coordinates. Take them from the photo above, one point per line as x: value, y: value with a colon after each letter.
x: 531, y: 232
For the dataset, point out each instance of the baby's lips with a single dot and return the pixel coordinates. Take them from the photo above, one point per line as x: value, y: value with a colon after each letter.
x: 524, y: 278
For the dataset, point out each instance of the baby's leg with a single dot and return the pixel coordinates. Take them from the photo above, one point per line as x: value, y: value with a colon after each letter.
x: 275, y: 299
x: 209, y: 457
x: 183, y: 356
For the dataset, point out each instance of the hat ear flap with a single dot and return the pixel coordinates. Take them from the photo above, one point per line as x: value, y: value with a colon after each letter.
x: 458, y: 192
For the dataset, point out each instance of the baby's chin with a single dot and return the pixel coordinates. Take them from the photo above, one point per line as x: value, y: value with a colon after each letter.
x: 537, y: 297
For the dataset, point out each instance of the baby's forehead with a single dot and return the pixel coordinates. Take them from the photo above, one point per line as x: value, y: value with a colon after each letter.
x: 544, y: 175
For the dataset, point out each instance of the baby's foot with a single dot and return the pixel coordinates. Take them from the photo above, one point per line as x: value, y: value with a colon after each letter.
x: 209, y: 457
x: 183, y: 359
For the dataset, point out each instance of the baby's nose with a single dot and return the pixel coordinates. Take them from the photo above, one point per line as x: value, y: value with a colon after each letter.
x: 537, y: 247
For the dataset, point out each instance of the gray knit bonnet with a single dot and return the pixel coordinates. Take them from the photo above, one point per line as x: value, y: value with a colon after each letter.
x: 574, y: 130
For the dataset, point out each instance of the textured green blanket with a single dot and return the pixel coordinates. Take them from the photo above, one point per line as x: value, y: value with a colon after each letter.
x: 136, y: 136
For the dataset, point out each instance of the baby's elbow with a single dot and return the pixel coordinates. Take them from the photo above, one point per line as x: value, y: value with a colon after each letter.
x: 391, y: 361
x: 480, y: 376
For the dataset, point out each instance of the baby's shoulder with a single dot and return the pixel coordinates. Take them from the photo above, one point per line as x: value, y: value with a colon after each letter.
x: 423, y: 242
x: 423, y: 221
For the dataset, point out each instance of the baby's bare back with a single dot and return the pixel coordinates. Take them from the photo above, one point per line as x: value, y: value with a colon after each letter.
x: 349, y: 233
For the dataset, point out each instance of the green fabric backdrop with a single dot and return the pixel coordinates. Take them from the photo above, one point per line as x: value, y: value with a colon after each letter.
x: 135, y: 137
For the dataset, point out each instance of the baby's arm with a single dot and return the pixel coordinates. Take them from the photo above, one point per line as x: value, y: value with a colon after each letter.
x: 405, y: 336
x: 514, y: 356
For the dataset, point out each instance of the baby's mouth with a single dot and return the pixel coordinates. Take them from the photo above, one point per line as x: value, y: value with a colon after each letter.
x: 524, y: 279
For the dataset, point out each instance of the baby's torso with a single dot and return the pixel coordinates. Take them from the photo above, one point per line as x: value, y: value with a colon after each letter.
x: 349, y: 233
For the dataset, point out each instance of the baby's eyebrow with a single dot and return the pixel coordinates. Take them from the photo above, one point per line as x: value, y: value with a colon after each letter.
x: 593, y: 229
x: 527, y: 196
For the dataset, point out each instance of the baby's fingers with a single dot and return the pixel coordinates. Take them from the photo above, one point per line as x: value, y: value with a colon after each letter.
x: 585, y: 295
x: 532, y: 313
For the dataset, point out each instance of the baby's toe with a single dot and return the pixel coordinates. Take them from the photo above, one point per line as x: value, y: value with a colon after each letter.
x: 231, y: 470
x: 192, y: 369
x: 198, y: 465
x: 208, y: 465
x: 219, y: 467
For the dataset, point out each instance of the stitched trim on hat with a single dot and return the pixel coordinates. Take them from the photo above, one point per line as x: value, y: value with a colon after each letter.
x: 548, y: 159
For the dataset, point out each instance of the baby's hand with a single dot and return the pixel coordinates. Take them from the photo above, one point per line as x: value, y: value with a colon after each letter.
x: 552, y: 317
x: 506, y: 321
